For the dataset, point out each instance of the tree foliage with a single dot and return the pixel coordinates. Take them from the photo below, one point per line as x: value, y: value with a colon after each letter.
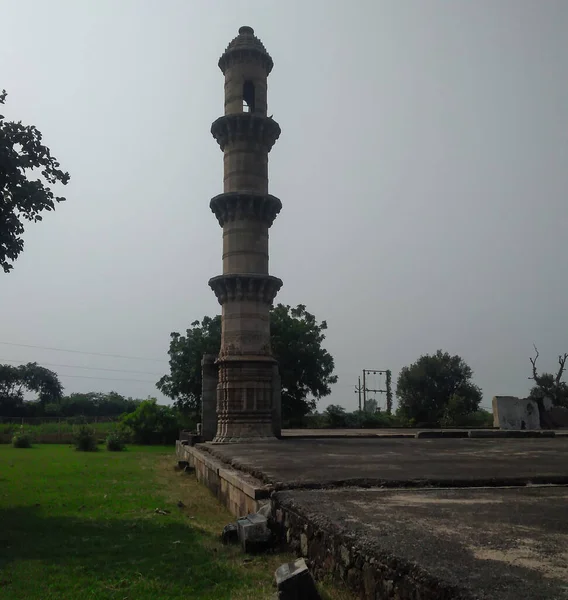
x: 14, y: 380
x: 336, y: 416
x: 183, y: 383
x: 436, y: 386
x: 23, y: 198
x: 548, y: 385
x: 306, y: 368
x: 152, y: 423
x: 91, y: 404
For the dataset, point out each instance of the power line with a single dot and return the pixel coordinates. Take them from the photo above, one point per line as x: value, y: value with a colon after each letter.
x: 79, y: 367
x: 83, y: 352
x: 107, y: 378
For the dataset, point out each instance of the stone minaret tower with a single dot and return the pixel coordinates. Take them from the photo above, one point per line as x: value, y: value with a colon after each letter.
x: 245, y: 211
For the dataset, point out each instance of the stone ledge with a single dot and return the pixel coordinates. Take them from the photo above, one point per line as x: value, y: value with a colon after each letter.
x: 430, y: 544
x: 247, y: 127
x: 511, y: 433
x: 234, y: 206
x: 441, y: 433
x: 245, y: 286
x: 333, y: 551
x: 240, y: 493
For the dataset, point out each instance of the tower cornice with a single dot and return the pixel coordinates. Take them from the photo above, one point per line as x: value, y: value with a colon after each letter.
x: 245, y: 286
x: 233, y: 206
x: 245, y: 127
x: 240, y: 55
x: 244, y: 48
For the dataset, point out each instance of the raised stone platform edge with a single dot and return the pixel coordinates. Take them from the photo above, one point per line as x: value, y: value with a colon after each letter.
x: 331, y: 550
x: 240, y: 493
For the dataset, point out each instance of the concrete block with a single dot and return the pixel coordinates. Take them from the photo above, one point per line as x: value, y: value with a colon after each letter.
x: 190, y: 439
x: 510, y: 412
x: 254, y: 534
x: 265, y: 509
x: 295, y: 582
x: 230, y: 534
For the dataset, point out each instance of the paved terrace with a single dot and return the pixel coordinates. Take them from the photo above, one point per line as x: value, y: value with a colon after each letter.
x: 422, y: 518
x: 311, y: 463
x: 487, y: 544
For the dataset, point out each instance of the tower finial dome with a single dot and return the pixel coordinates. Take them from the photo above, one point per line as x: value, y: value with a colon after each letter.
x: 245, y: 42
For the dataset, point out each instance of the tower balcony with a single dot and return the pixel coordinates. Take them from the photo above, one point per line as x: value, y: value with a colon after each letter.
x: 250, y: 287
x: 235, y: 206
x: 245, y: 127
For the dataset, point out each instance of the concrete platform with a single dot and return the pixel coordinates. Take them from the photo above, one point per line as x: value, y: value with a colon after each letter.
x: 504, y: 544
x: 313, y: 463
x: 408, y: 519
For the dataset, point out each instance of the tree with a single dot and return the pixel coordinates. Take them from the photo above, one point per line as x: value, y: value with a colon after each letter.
x: 306, y: 368
x: 152, y: 423
x: 23, y: 198
x: 183, y: 384
x: 548, y: 385
x: 371, y: 406
x: 91, y: 404
x: 425, y: 388
x: 336, y: 416
x: 15, y: 379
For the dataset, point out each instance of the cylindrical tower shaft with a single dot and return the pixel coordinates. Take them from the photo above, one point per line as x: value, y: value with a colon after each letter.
x: 245, y: 211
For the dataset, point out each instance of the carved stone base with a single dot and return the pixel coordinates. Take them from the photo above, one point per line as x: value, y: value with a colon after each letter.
x: 244, y: 400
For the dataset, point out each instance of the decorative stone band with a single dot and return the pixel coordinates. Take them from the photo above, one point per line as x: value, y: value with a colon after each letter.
x: 245, y: 286
x: 245, y: 127
x: 234, y: 206
x: 234, y: 56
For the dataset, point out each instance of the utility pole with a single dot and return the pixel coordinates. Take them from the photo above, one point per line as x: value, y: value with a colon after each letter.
x: 387, y: 391
x: 358, y: 390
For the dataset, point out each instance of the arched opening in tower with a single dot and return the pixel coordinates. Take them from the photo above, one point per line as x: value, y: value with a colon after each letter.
x: 248, y: 96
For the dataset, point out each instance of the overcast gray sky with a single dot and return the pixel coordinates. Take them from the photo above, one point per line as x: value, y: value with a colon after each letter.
x: 422, y: 167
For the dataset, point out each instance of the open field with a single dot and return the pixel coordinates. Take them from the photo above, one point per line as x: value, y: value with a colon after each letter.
x: 85, y: 525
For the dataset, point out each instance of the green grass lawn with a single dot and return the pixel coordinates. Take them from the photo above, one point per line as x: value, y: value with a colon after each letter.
x: 79, y: 526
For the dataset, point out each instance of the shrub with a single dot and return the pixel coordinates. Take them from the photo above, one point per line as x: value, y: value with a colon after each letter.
x: 85, y: 439
x: 372, y: 420
x: 152, y: 423
x: 22, y: 440
x: 313, y: 421
x: 336, y: 416
x: 115, y: 442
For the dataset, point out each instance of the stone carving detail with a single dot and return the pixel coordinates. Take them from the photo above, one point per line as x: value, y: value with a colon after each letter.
x: 241, y: 55
x: 234, y: 206
x: 245, y: 342
x: 234, y: 287
x: 245, y: 127
x: 246, y: 47
x: 244, y: 401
